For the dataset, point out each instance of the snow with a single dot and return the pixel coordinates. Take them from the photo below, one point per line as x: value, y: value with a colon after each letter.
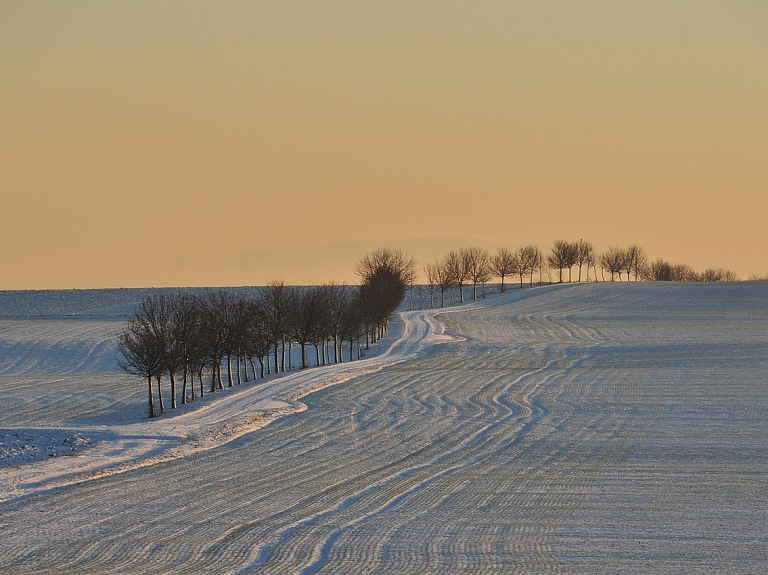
x: 566, y: 429
x: 21, y: 446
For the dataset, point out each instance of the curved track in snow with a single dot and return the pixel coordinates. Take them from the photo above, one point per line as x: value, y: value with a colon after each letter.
x: 120, y: 448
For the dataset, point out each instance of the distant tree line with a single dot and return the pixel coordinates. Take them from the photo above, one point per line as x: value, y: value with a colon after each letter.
x: 567, y: 261
x: 190, y: 339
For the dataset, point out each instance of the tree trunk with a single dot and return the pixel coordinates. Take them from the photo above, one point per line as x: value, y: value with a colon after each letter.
x: 151, y: 397
x: 290, y: 356
x: 184, y: 384
x: 173, y: 389
x: 277, y: 344
x: 229, y: 370
x: 160, y: 395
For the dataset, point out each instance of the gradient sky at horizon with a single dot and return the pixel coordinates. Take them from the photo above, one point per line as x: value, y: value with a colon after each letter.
x: 232, y: 143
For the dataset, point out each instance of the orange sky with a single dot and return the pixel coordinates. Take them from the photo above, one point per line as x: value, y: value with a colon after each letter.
x: 231, y: 143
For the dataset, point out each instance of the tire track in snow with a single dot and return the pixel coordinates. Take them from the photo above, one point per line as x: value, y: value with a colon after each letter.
x: 134, y: 446
x: 534, y: 412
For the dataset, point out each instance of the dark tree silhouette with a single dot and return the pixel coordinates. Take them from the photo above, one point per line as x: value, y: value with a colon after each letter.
x: 275, y: 299
x: 338, y: 299
x: 478, y: 264
x: 439, y: 274
x: 385, y: 274
x: 564, y: 255
x: 584, y: 256
x: 142, y: 354
x: 504, y: 264
x: 185, y: 333
x: 258, y: 338
x: 613, y: 261
x: 303, y: 321
x: 458, y: 266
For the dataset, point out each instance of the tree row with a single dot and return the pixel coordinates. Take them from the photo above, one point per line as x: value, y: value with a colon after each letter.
x: 193, y: 339
x: 476, y: 267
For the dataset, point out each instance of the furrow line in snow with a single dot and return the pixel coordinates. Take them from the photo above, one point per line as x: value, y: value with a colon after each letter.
x: 534, y: 412
x: 212, y: 426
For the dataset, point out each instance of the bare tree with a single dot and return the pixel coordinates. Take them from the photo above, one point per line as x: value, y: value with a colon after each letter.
x: 440, y: 274
x: 259, y: 337
x: 584, y: 255
x: 636, y: 263
x: 275, y: 300
x: 142, y: 354
x: 478, y: 265
x: 214, y: 320
x: 684, y: 273
x: 718, y: 275
x: 303, y: 321
x: 521, y: 263
x: 237, y: 331
x: 186, y: 334
x: 149, y: 341
x: 457, y: 264
x: 590, y: 261
x: 385, y: 274
x: 169, y: 336
x: 562, y: 256
x: 503, y: 264
x: 323, y: 330
x: 660, y: 271
x: 430, y: 272
x: 531, y: 259
x: 339, y: 299
x: 614, y: 261
x: 392, y: 261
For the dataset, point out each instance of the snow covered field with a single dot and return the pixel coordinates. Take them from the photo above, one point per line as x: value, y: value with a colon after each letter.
x: 593, y: 428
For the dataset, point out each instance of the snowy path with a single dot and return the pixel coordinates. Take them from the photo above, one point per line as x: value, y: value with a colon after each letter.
x: 120, y: 448
x: 599, y: 428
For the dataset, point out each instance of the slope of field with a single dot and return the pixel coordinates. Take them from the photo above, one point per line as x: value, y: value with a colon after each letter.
x: 609, y: 428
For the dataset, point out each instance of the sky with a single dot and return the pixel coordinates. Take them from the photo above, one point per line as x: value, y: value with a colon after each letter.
x: 235, y: 143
